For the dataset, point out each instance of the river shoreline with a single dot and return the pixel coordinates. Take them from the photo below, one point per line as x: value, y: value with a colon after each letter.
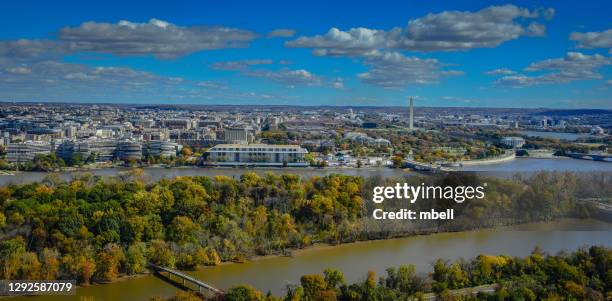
x: 186, y: 167
x: 176, y: 171
x: 153, y: 174
x: 325, y: 246
x: 120, y: 168
x: 507, y: 157
x: 329, y: 246
x: 274, y: 272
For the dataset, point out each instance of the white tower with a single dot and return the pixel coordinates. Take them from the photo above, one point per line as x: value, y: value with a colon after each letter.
x: 411, y: 112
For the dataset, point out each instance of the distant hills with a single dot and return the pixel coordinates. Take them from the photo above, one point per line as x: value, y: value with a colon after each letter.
x: 569, y: 112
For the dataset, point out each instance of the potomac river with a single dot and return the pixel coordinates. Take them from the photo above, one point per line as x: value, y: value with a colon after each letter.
x: 274, y: 273
x: 518, y: 165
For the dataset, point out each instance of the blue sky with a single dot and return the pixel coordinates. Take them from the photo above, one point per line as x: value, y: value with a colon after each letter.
x: 446, y: 53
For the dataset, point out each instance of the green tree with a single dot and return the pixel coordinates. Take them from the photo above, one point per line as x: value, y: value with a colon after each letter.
x: 136, y: 258
x: 243, y: 293
x: 108, y: 261
x: 397, y: 161
x: 313, y: 285
x: 50, y: 264
x: 11, y: 251
x: 183, y: 230
x: 160, y: 254
x: 333, y: 278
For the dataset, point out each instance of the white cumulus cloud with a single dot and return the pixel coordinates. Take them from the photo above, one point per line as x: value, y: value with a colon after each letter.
x: 445, y: 31
x: 574, y: 66
x: 500, y: 71
x: 595, y: 39
x: 156, y: 37
x: 394, y: 70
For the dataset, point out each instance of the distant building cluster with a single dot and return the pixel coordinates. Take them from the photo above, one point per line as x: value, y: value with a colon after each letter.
x: 363, y: 138
x: 258, y: 135
x: 101, y: 149
x: 101, y: 133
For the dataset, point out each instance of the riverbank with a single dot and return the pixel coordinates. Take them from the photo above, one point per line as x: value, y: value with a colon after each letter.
x: 561, y: 224
x: 509, y: 156
x: 193, y: 235
x: 153, y: 174
x: 273, y: 273
x: 568, y: 136
x: 503, y: 169
x: 162, y: 167
x: 327, y: 246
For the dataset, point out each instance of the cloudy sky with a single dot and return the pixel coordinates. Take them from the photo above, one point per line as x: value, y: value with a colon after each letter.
x: 554, y: 54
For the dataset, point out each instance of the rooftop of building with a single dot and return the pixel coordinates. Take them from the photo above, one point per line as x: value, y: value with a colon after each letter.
x: 257, y: 145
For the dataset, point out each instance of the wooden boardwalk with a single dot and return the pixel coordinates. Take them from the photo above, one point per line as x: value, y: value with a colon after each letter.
x: 201, y: 285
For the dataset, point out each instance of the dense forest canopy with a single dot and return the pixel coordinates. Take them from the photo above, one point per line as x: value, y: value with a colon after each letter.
x: 97, y: 229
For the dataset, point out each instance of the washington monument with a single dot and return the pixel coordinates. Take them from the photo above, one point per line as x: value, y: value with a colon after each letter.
x: 411, y: 112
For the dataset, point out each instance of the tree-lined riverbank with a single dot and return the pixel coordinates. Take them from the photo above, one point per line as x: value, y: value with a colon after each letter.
x: 153, y: 174
x: 273, y: 273
x: 580, y: 275
x: 97, y: 229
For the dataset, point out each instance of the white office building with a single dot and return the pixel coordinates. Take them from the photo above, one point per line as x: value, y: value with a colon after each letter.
x: 257, y: 155
x: 163, y: 149
x: 514, y: 142
x: 26, y: 151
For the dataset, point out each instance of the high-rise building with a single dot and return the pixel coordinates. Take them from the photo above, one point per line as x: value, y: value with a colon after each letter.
x: 70, y: 132
x: 236, y: 136
x: 5, y: 138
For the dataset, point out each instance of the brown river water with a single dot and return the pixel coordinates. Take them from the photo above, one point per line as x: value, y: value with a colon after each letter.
x: 274, y: 273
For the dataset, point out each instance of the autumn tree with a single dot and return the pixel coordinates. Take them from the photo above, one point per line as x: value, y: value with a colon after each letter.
x: 243, y: 293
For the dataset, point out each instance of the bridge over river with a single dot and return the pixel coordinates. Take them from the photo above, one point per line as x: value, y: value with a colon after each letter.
x: 594, y: 157
x: 201, y: 286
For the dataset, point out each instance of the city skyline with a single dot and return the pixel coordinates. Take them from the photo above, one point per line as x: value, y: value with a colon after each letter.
x: 485, y: 54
